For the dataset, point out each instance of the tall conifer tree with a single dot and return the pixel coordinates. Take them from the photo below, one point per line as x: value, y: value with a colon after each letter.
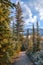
x: 38, y: 37
x: 34, y: 45
x: 27, y: 38
x: 19, y: 21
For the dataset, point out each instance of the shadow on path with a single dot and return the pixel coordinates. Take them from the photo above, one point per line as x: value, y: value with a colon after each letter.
x: 23, y: 60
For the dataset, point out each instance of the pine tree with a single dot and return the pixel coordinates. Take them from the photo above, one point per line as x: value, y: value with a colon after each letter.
x: 7, y: 3
x: 5, y: 36
x: 27, y: 38
x: 19, y: 21
x: 34, y: 44
x: 38, y: 37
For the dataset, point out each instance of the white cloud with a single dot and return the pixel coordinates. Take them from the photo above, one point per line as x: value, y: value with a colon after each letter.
x: 38, y: 5
x: 27, y: 9
x: 28, y: 13
x: 32, y: 20
x: 40, y: 10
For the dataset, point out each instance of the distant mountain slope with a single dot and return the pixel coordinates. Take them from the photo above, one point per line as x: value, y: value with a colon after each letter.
x: 30, y: 32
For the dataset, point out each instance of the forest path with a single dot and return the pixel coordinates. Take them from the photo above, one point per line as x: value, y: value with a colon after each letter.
x: 23, y: 59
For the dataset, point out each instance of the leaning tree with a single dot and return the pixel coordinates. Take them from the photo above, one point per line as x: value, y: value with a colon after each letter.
x: 6, y: 47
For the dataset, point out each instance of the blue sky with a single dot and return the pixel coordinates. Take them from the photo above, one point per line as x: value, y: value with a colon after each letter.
x: 32, y: 11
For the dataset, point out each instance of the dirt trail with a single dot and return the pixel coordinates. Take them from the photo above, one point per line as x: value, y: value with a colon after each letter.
x: 23, y: 60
